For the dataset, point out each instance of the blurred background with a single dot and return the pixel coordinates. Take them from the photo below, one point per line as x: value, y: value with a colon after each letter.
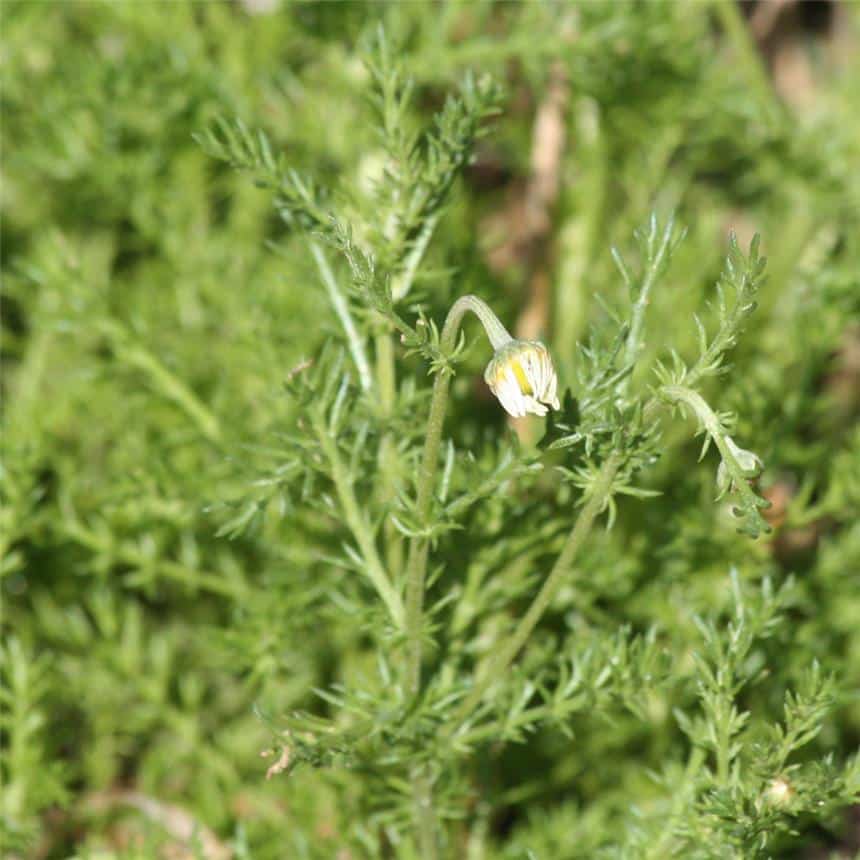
x: 153, y: 304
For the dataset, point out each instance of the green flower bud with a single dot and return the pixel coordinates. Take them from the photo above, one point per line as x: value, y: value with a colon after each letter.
x: 747, y: 460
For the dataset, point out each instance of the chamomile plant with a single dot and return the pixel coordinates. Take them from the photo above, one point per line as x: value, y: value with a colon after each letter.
x: 371, y: 449
x: 372, y: 487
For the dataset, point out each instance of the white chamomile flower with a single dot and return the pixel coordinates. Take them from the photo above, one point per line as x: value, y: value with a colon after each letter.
x: 522, y: 376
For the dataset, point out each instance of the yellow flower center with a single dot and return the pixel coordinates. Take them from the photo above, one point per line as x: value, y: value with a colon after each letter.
x: 520, y: 374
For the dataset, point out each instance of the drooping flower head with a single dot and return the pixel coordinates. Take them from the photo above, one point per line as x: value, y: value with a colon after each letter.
x: 521, y: 373
x: 522, y: 376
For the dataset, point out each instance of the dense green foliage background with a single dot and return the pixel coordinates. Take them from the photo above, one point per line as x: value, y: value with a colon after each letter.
x: 154, y: 304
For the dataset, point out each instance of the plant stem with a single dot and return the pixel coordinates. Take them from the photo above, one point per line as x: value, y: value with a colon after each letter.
x: 386, y: 381
x: 711, y: 424
x: 359, y: 526
x: 403, y: 282
x: 385, y: 374
x: 581, y: 528
x: 416, y: 565
x: 422, y: 796
x: 356, y: 343
x: 729, y: 452
x: 655, y: 267
x: 419, y: 547
x: 724, y: 743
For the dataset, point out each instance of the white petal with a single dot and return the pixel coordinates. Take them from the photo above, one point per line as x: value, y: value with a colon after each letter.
x: 516, y: 393
x: 535, y: 407
x: 509, y: 395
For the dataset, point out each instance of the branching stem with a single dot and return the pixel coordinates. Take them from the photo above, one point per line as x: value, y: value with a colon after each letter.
x: 596, y: 502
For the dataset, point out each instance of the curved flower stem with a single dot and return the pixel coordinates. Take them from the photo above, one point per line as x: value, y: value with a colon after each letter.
x: 416, y: 565
x: 505, y: 655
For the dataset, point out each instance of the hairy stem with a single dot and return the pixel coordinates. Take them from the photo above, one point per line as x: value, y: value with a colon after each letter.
x: 416, y: 565
x: 724, y: 744
x: 581, y: 528
x: 422, y: 796
x: 385, y: 373
x: 419, y: 548
x: 386, y: 381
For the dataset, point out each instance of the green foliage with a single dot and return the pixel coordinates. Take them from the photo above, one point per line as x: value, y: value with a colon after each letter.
x: 260, y: 517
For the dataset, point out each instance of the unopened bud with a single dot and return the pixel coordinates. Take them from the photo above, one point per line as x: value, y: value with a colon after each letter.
x: 779, y: 792
x: 747, y: 460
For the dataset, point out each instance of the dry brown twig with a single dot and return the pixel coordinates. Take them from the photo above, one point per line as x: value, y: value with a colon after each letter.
x: 280, y: 764
x: 765, y: 17
x: 548, y: 141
